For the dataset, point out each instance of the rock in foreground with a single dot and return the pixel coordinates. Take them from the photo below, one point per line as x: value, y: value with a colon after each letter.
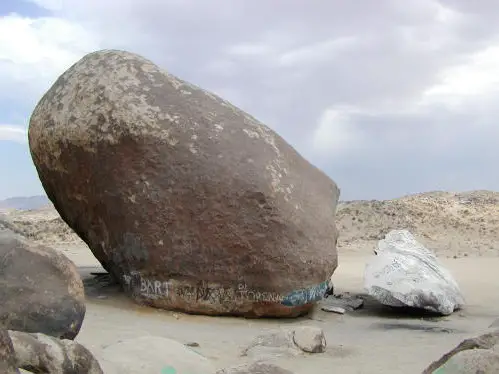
x: 287, y: 343
x: 471, y: 355
x: 310, y: 339
x: 39, y: 353
x: 405, y: 273
x: 190, y: 202
x: 153, y: 354
x: 40, y: 289
x: 8, y: 363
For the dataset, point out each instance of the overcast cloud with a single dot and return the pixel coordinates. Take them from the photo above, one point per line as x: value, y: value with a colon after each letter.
x: 387, y: 97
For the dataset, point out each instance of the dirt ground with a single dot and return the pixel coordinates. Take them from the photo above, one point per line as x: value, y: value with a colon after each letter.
x: 373, y: 339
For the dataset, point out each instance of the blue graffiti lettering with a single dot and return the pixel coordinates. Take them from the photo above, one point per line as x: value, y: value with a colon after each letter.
x: 306, y: 295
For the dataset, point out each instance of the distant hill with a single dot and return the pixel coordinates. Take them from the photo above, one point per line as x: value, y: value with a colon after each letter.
x: 461, y: 224
x: 25, y: 202
x: 452, y: 224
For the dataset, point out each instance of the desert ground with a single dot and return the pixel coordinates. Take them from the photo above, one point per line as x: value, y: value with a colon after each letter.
x: 461, y: 228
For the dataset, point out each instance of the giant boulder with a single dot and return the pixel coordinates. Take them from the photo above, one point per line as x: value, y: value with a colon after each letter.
x: 189, y: 202
x: 40, y: 289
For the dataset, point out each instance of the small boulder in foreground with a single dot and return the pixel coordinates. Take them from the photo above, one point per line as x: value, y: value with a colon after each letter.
x: 471, y: 356
x: 153, y: 354
x: 287, y: 343
x: 39, y: 353
x: 310, y: 339
x: 8, y: 363
x: 40, y: 289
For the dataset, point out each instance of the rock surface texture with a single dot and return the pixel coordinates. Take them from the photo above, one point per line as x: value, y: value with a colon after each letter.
x: 286, y: 343
x: 40, y: 289
x: 153, y: 354
x: 8, y: 363
x: 481, y: 352
x: 310, y: 339
x: 476, y: 361
x: 405, y: 273
x: 190, y: 202
x: 39, y: 353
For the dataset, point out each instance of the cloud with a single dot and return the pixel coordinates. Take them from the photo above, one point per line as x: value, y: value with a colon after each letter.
x: 33, y: 52
x: 336, y: 133
x: 13, y: 133
x: 387, y: 97
x: 477, y: 77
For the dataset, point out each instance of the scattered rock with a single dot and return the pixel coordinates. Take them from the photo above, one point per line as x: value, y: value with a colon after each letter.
x: 7, y: 355
x: 333, y: 309
x: 483, y: 342
x: 236, y: 209
x: 255, y: 368
x: 272, y: 345
x: 48, y: 298
x: 405, y: 273
x: 153, y: 354
x: 192, y: 344
x: 310, y: 339
x: 342, y: 301
x: 286, y: 343
x: 39, y: 353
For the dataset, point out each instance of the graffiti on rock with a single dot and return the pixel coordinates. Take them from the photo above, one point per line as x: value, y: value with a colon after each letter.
x: 215, y: 294
x: 146, y: 287
x: 306, y: 295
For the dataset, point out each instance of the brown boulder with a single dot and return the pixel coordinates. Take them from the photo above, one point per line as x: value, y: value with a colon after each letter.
x: 191, y: 203
x: 40, y: 289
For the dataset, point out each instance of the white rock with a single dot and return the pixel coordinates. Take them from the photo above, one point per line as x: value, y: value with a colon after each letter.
x: 152, y: 354
x: 310, y: 339
x: 405, y: 273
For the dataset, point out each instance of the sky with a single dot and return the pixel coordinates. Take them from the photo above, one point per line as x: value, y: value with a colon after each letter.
x: 387, y: 97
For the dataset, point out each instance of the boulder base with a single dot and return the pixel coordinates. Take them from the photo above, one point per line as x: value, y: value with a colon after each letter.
x: 189, y: 202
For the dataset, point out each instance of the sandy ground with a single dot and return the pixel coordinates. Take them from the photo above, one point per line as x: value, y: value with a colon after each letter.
x: 369, y: 340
